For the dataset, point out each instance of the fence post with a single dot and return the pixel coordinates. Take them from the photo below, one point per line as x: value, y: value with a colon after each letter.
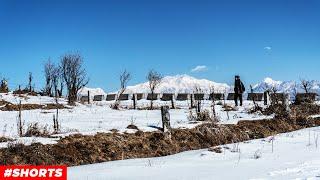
x: 265, y: 98
x: 88, y: 97
x: 134, y: 98
x: 172, y: 103
x: 191, y: 99
x: 165, y: 118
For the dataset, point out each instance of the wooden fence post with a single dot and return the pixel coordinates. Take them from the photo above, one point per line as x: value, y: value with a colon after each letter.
x: 172, y: 102
x: 88, y: 97
x: 134, y: 98
x: 165, y: 118
x: 265, y: 98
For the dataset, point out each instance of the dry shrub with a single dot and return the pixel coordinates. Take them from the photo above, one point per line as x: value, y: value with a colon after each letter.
x: 5, y: 139
x: 84, y: 149
x: 15, y: 107
x: 278, y: 109
x: 216, y: 149
x: 203, y: 116
x: 35, y: 130
x: 132, y: 126
x: 257, y: 154
x: 227, y: 107
x: 219, y: 103
x: 256, y: 108
x: 3, y: 102
x: 54, y: 106
x: 306, y: 109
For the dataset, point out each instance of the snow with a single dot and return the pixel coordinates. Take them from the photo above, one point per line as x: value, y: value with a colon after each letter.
x: 180, y: 84
x: 293, y: 157
x: 93, y: 91
x: 99, y: 117
x: 42, y: 100
x: 285, y: 86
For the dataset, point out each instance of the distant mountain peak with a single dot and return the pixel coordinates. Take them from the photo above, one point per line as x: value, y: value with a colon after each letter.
x: 180, y: 84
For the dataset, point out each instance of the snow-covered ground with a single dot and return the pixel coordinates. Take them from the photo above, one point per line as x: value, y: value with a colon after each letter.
x: 293, y: 157
x: 99, y: 117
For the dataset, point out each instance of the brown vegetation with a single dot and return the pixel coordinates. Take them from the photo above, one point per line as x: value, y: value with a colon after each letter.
x: 15, y: 107
x: 81, y: 149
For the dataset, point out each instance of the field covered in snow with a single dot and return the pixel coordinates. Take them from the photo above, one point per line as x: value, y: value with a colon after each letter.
x: 295, y: 155
x: 99, y: 117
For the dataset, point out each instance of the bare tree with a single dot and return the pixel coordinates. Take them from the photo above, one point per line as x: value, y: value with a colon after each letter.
x: 74, y: 75
x: 55, y: 80
x: 212, y: 94
x: 48, y: 69
x: 61, y: 80
x: 306, y: 85
x: 125, y: 77
x: 30, y: 78
x: 4, y: 86
x: 154, y: 79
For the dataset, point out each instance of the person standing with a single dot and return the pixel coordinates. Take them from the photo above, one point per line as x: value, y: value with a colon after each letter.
x: 238, y: 90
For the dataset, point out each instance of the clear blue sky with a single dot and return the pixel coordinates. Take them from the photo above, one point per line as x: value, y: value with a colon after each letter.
x: 255, y: 39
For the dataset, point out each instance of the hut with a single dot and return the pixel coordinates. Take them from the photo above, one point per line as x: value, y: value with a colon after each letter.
x: 198, y: 96
x: 111, y: 97
x: 182, y: 97
x: 154, y: 96
x: 124, y: 97
x: 167, y: 97
x: 255, y: 96
x: 216, y: 96
x: 98, y: 97
x: 84, y: 99
x: 230, y: 96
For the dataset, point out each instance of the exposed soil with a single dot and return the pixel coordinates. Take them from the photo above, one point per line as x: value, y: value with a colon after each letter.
x: 7, y: 106
x: 80, y: 149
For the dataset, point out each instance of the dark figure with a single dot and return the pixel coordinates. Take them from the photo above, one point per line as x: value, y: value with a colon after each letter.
x: 238, y: 90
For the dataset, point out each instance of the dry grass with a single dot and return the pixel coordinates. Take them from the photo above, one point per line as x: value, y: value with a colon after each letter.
x: 14, y: 107
x: 227, y: 107
x: 5, y: 139
x: 81, y: 149
x: 34, y: 130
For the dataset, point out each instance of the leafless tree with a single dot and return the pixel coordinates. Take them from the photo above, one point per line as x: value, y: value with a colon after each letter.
x: 4, y: 86
x: 61, y: 80
x: 198, y: 102
x: 55, y: 80
x: 125, y: 77
x: 48, y: 69
x: 306, y: 85
x: 74, y: 75
x: 212, y: 94
x: 30, y: 78
x: 154, y: 79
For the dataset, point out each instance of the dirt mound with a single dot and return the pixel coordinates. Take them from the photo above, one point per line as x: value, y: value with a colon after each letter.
x: 79, y: 149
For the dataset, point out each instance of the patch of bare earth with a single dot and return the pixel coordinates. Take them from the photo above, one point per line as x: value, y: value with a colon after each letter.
x: 7, y: 106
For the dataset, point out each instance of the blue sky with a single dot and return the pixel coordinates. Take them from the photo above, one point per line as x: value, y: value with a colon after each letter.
x: 255, y: 39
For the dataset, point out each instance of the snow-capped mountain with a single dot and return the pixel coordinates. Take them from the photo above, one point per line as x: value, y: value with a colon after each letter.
x: 180, y: 84
x: 285, y: 86
x: 187, y: 84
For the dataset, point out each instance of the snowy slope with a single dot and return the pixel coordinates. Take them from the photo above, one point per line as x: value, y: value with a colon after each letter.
x: 93, y: 91
x: 293, y: 157
x: 180, y: 84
